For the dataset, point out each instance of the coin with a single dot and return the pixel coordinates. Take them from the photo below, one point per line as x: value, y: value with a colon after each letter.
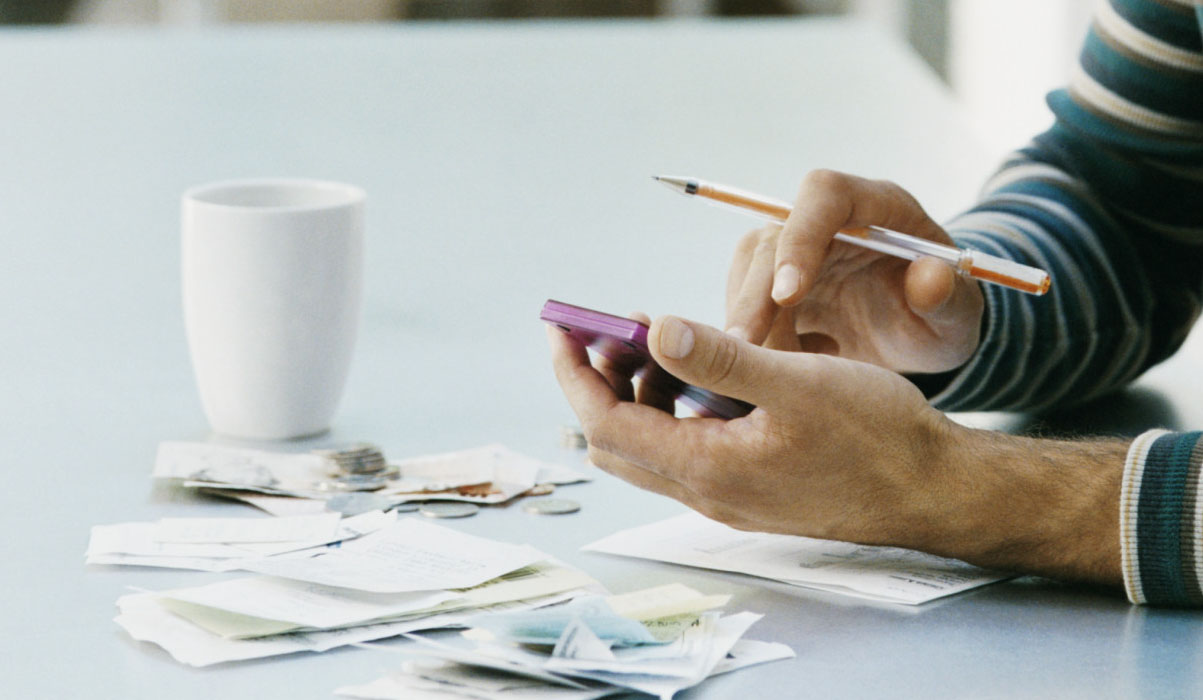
x: 359, y: 448
x: 391, y: 471
x: 449, y: 510
x: 360, y: 464
x: 551, y: 506
x: 541, y: 490
x: 359, y: 458
x: 354, y: 482
x: 364, y: 466
x: 404, y: 508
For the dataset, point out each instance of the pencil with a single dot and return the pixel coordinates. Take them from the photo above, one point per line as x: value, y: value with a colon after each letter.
x: 968, y: 262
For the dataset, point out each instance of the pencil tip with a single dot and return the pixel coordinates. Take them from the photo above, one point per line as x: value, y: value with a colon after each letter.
x: 677, y: 184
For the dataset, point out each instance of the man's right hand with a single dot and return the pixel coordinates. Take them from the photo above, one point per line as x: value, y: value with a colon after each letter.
x: 793, y: 287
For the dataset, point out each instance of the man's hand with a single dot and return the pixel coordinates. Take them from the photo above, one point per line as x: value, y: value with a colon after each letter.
x: 845, y: 450
x: 787, y: 467
x: 844, y: 300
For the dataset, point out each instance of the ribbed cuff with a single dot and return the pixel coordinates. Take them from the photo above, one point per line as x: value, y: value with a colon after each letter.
x: 1161, y: 519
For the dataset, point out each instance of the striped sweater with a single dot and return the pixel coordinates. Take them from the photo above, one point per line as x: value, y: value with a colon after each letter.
x: 1110, y: 202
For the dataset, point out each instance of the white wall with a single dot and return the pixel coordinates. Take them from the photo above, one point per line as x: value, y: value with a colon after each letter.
x: 1005, y: 56
x: 1002, y: 57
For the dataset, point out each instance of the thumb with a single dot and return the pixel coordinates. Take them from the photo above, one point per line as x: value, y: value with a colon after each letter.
x: 938, y: 295
x: 950, y: 305
x: 706, y: 357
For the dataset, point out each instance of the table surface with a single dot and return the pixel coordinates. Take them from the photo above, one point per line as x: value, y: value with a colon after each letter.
x: 505, y: 164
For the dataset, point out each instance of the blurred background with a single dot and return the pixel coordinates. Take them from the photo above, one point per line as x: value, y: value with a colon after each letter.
x: 998, y: 58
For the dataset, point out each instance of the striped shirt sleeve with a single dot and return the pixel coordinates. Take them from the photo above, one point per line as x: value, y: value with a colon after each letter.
x: 1161, y: 519
x: 1110, y: 202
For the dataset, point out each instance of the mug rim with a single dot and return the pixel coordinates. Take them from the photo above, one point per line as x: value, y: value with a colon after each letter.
x: 336, y: 194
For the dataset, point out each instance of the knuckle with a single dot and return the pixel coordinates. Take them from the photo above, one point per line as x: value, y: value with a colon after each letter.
x: 791, y: 247
x: 902, y: 198
x: 720, y: 363
x: 826, y: 182
x: 893, y: 187
x: 766, y: 241
x: 747, y: 305
x: 748, y: 242
x: 898, y: 192
x: 757, y: 240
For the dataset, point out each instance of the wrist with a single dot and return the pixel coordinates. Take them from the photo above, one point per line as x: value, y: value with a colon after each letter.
x: 1029, y: 505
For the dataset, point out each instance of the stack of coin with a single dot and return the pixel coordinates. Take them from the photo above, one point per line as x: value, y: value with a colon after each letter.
x: 359, y: 467
x: 360, y: 458
x: 448, y: 510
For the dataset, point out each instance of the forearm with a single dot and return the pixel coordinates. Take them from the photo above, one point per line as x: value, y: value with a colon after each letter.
x: 1109, y: 203
x: 1104, y: 511
x: 1029, y: 505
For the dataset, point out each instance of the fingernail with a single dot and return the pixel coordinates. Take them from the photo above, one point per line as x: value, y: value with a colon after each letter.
x: 785, y: 282
x: 737, y: 332
x: 676, y: 339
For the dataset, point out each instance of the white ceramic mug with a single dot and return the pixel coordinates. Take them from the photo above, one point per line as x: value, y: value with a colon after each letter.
x: 272, y: 278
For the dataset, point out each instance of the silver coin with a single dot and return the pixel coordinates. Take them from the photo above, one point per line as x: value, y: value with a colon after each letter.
x: 360, y: 458
x: 365, y: 465
x: 354, y: 482
x: 449, y: 510
x: 379, y: 473
x: 551, y: 506
x: 359, y: 448
x: 373, y: 467
x: 541, y: 490
x: 344, y: 457
x: 404, y: 507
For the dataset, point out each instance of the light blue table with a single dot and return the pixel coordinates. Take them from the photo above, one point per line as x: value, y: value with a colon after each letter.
x: 505, y: 164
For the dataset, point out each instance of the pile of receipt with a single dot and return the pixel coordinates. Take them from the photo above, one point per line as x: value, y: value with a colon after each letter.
x: 657, y: 641
x: 409, y: 574
x: 470, y: 616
